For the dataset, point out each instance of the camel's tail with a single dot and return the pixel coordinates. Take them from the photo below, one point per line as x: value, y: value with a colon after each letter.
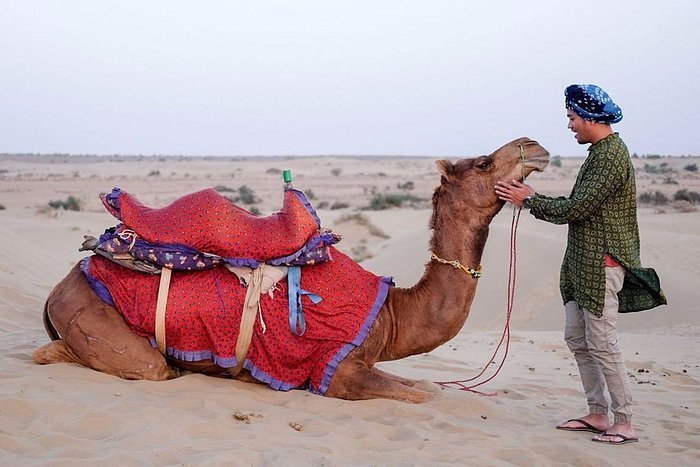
x: 48, y: 325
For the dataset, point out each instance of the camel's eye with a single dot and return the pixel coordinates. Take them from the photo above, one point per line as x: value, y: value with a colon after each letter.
x: 484, y: 164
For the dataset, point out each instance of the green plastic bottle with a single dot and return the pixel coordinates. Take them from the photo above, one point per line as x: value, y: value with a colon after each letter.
x: 287, y: 178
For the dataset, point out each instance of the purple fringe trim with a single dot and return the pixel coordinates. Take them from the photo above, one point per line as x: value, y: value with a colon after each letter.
x: 385, y: 283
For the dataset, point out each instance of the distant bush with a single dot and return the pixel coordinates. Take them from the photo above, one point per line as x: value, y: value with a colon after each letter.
x: 383, y: 201
x: 322, y: 205
x: 653, y: 169
x: 310, y: 194
x: 70, y: 204
x: 223, y: 188
x: 273, y: 171
x: 254, y: 210
x: 669, y: 180
x: 555, y: 161
x: 657, y: 198
x: 154, y: 173
x: 685, y: 195
x: 247, y: 195
x: 336, y: 171
x: 2, y: 207
x: 405, y: 186
x: 339, y: 205
x: 691, y: 167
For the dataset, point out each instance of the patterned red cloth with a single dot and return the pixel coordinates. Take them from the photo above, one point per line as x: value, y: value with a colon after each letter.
x: 204, y: 310
x: 210, y: 223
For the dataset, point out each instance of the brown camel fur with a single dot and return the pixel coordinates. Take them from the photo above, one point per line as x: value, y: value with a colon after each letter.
x: 412, y: 321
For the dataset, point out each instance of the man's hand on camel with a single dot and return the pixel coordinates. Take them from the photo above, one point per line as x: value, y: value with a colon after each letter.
x: 514, y: 191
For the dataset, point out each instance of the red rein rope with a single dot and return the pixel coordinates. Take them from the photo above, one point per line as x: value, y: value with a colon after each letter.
x: 505, y: 336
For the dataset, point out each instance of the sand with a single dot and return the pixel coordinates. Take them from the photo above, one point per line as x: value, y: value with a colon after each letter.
x: 66, y: 414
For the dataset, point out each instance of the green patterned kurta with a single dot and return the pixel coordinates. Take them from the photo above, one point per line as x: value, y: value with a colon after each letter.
x: 602, y: 216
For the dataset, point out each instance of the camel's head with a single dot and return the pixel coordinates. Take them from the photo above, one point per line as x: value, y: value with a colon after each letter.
x: 469, y: 183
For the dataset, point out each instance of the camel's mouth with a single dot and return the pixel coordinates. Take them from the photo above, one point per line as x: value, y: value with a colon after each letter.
x: 538, y: 163
x: 536, y: 157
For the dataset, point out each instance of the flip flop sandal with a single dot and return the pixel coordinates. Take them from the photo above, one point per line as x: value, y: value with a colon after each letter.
x: 622, y: 439
x: 586, y: 426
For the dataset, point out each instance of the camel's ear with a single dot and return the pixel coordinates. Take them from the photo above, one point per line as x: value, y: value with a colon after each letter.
x: 445, y: 167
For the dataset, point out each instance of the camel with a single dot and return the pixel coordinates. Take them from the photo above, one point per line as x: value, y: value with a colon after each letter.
x: 415, y: 320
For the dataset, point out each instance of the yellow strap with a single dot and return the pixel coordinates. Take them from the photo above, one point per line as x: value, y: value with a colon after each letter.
x: 251, y: 307
x: 162, y: 302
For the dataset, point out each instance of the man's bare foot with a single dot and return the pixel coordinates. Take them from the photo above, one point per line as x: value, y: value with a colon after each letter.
x: 592, y: 423
x: 619, y: 433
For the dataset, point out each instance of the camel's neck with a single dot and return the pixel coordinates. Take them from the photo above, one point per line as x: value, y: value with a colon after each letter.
x: 434, y: 310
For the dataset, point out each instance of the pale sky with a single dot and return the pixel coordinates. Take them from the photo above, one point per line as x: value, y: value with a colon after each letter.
x: 295, y: 77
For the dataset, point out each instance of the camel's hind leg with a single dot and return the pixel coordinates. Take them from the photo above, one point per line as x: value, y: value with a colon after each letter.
x: 354, y: 380
x: 95, y: 335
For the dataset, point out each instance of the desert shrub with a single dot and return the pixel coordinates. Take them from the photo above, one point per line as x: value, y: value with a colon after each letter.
x: 310, y: 194
x: 223, y: 188
x: 669, y: 180
x: 336, y: 171
x: 691, y: 168
x: 405, y: 186
x: 657, y: 198
x: 322, y: 205
x: 254, y: 210
x: 154, y: 173
x: 555, y: 161
x: 2, y: 207
x: 339, y: 205
x: 685, y: 195
x: 246, y: 195
x: 383, y: 201
x: 663, y: 168
x: 273, y: 171
x: 70, y: 204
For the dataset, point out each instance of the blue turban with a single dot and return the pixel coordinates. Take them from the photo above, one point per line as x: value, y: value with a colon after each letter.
x: 592, y: 103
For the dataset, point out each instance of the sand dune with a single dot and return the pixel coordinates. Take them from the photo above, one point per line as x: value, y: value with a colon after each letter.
x: 66, y: 414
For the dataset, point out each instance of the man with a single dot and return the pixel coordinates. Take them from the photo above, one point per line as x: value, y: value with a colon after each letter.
x: 601, y: 274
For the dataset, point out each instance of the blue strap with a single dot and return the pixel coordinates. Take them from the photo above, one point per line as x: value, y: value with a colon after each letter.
x: 297, y: 323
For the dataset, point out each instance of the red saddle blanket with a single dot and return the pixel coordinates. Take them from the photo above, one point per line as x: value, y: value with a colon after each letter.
x: 204, y: 311
x: 210, y: 223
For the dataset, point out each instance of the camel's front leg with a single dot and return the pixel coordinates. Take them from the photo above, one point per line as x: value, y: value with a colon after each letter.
x: 354, y: 380
x: 398, y: 379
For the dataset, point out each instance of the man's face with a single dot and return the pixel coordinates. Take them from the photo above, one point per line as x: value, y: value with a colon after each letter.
x: 579, y: 126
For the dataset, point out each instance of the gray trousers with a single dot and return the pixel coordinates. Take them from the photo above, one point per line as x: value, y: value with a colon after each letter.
x: 593, y: 341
